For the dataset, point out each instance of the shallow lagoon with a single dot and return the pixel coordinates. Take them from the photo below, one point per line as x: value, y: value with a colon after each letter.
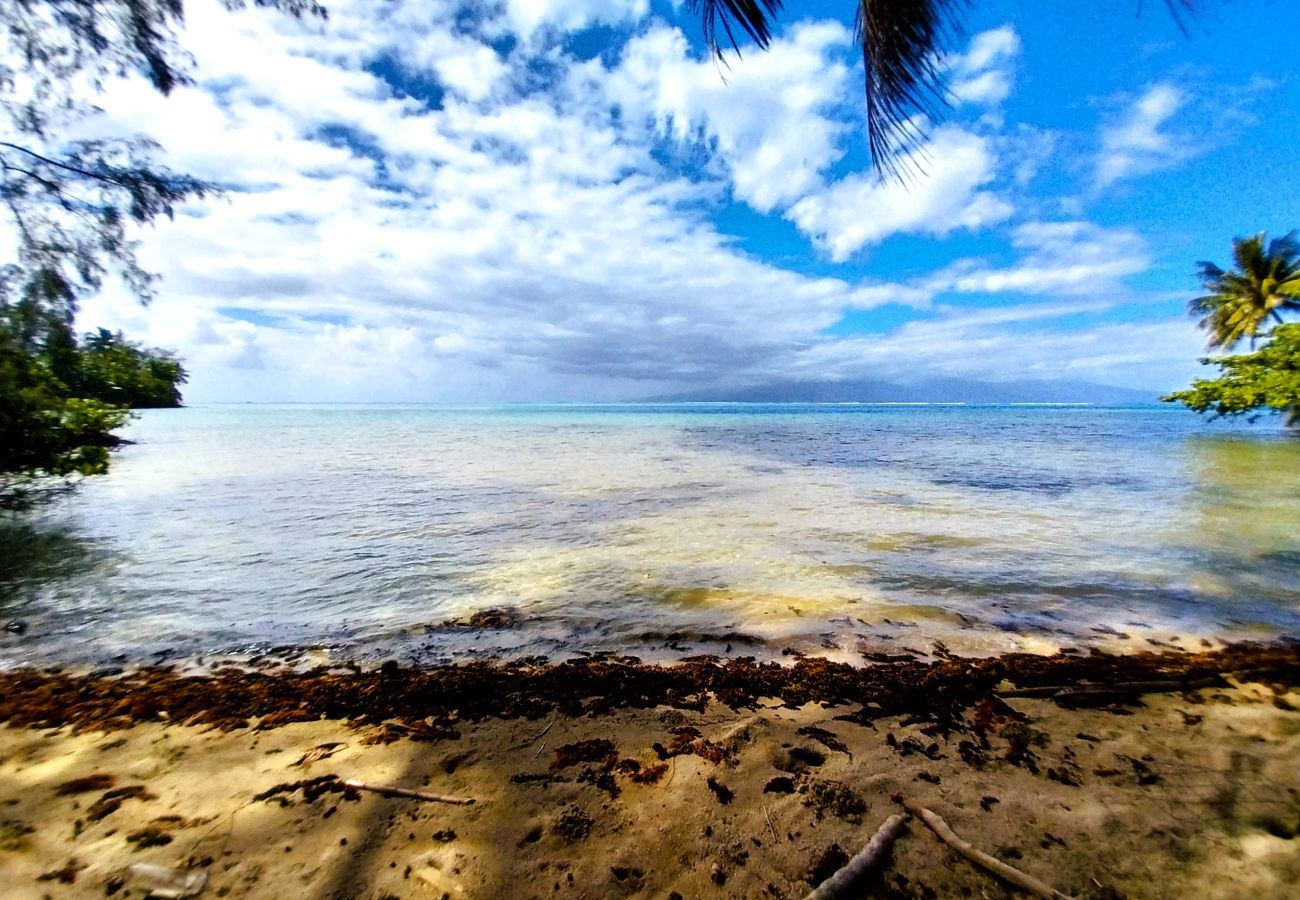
x: 661, y: 531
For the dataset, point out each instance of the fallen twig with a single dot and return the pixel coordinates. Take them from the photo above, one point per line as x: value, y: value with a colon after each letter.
x: 1009, y: 874
x: 847, y: 882
x: 392, y: 791
x: 767, y: 814
x: 1052, y: 692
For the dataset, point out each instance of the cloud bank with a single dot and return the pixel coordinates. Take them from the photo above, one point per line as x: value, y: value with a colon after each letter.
x: 429, y: 204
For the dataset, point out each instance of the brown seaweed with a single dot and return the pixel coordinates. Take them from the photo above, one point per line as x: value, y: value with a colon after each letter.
x: 424, y: 702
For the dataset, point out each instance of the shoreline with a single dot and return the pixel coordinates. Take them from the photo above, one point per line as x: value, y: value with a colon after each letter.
x: 1146, y: 775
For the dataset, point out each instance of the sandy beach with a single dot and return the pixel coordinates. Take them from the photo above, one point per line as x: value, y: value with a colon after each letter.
x: 1143, y: 792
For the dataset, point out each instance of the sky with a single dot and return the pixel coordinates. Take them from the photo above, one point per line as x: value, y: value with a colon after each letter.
x: 569, y: 200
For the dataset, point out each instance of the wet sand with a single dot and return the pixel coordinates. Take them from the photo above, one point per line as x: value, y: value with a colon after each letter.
x: 634, y: 781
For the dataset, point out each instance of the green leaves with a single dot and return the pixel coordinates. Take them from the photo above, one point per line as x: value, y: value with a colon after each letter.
x: 1264, y: 283
x: 1268, y: 379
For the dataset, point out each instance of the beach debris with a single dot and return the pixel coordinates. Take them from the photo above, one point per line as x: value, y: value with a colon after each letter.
x: 650, y: 774
x: 537, y: 737
x: 312, y: 789
x: 231, y: 698
x: 687, y: 740
x: 319, y: 752
x: 779, y: 784
x: 720, y: 790
x: 1083, y: 696
x: 1009, y: 874
x: 573, y: 824
x: 833, y: 797
x: 493, y: 619
x: 151, y: 836
x: 67, y: 874
x: 848, y: 880
x: 100, y: 781
x: 590, y: 751
x: 168, y: 882
x: 832, y: 859
x: 393, y: 791
x: 112, y: 800
x: 827, y: 739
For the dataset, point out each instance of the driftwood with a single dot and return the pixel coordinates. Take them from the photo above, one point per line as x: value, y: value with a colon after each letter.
x: 1063, y: 691
x: 391, y: 791
x: 1007, y: 873
x: 848, y: 881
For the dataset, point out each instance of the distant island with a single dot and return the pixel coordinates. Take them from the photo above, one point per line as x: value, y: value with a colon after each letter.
x: 935, y: 390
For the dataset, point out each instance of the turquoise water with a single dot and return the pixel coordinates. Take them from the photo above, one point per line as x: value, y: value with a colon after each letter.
x: 660, y: 531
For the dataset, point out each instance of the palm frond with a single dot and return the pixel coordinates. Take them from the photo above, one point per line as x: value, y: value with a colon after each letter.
x: 1264, y: 281
x: 902, y: 43
x: 753, y: 17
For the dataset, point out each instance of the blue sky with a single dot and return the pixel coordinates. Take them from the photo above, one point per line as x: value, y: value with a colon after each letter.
x: 567, y: 199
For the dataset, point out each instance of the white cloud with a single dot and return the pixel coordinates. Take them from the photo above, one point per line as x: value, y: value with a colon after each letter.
x: 549, y: 236
x: 985, y: 73
x: 1135, y: 144
x: 766, y: 116
x: 1056, y: 258
x: 948, y: 195
x: 527, y: 16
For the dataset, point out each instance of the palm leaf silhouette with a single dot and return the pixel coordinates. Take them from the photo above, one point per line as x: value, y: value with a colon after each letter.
x: 902, y: 43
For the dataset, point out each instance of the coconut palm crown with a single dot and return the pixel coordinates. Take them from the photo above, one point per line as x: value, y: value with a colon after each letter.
x: 1264, y: 282
x: 903, y: 44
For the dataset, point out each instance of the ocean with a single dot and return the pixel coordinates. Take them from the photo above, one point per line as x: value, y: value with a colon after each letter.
x: 341, y: 532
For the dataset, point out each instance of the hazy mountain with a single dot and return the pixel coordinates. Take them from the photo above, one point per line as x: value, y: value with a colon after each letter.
x: 936, y: 390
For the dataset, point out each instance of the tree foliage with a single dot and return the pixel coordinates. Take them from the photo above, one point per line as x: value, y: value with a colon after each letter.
x: 114, y: 370
x: 1267, y: 379
x: 1264, y: 282
x: 70, y: 210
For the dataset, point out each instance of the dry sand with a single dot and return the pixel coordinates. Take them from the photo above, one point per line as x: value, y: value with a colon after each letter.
x: 1191, y: 794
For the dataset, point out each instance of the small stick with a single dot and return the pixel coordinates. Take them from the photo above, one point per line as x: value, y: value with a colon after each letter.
x: 847, y: 882
x: 767, y: 814
x: 1119, y: 687
x: 391, y: 791
x: 539, y: 750
x: 1007, y: 873
x: 541, y: 734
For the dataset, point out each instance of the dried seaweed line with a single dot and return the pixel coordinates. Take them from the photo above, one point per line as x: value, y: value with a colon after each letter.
x: 1009, y: 874
x: 848, y: 881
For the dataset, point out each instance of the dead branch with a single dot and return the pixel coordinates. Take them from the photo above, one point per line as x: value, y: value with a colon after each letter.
x: 848, y: 881
x: 391, y: 791
x: 1007, y: 873
x: 1052, y: 692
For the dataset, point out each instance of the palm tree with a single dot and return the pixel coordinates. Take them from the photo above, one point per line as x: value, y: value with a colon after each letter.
x: 902, y: 43
x: 1264, y: 282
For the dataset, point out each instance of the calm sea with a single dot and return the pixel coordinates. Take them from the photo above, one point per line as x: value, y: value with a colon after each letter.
x: 659, y: 531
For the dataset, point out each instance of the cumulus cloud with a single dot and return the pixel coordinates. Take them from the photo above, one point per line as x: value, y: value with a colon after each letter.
x: 1137, y: 142
x: 948, y: 195
x: 767, y: 116
x: 985, y: 73
x: 1056, y: 258
x: 527, y: 16
x: 420, y: 210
